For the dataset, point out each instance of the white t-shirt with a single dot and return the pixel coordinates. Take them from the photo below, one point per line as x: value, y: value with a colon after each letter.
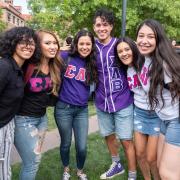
x: 170, y: 109
x: 140, y: 96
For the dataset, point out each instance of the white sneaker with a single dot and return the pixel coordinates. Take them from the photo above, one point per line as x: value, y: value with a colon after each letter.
x: 66, y: 176
x: 82, y: 176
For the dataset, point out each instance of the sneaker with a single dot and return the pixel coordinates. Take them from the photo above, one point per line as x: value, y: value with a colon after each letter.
x: 66, y: 176
x: 131, y: 178
x: 115, y: 169
x: 82, y: 176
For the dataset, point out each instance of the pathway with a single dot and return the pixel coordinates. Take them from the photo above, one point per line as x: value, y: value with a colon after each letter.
x: 52, y: 139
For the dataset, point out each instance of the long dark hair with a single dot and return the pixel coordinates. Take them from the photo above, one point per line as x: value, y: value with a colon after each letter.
x: 163, y: 54
x: 136, y: 54
x: 91, y: 70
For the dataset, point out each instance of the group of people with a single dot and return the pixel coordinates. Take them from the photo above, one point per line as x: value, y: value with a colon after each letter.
x: 136, y: 97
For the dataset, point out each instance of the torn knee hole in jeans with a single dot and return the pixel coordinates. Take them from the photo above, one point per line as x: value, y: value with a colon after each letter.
x: 38, y: 147
x: 34, y: 132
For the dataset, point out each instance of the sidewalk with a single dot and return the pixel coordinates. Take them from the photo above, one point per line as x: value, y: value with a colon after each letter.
x: 52, y: 139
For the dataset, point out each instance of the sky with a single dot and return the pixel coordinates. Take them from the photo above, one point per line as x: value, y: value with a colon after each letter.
x: 22, y: 3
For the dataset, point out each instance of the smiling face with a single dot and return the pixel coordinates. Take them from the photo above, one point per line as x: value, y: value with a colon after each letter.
x: 103, y: 30
x: 24, y: 50
x: 146, y: 40
x: 49, y: 45
x: 84, y: 46
x: 125, y: 53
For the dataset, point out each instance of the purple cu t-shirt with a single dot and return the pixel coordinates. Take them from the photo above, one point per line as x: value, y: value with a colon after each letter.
x: 74, y: 90
x: 112, y: 93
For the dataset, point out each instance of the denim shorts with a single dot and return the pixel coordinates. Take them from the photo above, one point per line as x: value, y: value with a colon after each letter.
x: 171, y: 130
x: 146, y: 122
x: 119, y: 123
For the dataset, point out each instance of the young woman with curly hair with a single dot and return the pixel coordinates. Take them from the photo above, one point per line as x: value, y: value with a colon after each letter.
x: 71, y: 111
x: 42, y: 82
x: 17, y: 46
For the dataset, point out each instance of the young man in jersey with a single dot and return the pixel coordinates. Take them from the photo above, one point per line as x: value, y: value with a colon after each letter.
x: 113, y: 98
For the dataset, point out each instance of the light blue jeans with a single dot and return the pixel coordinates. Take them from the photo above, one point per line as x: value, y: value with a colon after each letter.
x: 29, y: 137
x: 68, y: 118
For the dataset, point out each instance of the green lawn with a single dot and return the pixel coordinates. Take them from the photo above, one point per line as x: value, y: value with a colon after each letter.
x: 50, y: 114
x: 97, y: 161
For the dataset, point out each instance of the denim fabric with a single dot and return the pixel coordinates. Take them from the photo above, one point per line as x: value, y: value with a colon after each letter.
x: 72, y: 118
x: 29, y: 136
x: 146, y: 122
x: 120, y: 123
x: 6, y: 142
x: 171, y: 130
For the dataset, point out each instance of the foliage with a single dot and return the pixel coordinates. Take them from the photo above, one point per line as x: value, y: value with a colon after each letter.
x: 2, y: 24
x: 68, y: 16
x: 166, y: 11
x: 98, y: 160
x: 51, y: 120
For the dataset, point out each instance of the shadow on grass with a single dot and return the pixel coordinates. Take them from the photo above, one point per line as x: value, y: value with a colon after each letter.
x: 98, y: 160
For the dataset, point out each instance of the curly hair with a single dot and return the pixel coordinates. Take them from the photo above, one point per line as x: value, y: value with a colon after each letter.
x: 91, y: 70
x: 55, y: 64
x: 105, y: 15
x: 163, y: 54
x: 10, y: 38
x: 136, y: 54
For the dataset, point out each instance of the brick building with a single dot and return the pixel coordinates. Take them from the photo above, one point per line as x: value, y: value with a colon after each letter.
x: 12, y: 15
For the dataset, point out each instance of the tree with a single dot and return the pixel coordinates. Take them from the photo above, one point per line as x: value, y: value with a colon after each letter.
x: 68, y: 16
x: 167, y: 12
x: 2, y: 24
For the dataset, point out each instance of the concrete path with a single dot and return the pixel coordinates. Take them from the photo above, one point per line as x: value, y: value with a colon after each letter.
x: 52, y: 139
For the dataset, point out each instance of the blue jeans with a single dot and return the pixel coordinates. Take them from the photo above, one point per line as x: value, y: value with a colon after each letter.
x: 70, y: 117
x: 29, y: 136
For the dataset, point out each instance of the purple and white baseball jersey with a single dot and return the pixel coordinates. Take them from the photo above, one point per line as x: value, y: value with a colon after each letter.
x: 112, y: 93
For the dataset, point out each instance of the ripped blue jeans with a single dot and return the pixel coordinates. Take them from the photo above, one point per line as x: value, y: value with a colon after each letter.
x: 29, y: 137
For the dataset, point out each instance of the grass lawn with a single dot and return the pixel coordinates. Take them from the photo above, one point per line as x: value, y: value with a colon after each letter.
x: 97, y: 162
x: 98, y: 159
x: 50, y: 114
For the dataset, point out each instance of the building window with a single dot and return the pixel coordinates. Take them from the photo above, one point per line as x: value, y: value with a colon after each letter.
x: 13, y: 19
x: 9, y: 1
x: 18, y: 22
x: 9, y: 17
